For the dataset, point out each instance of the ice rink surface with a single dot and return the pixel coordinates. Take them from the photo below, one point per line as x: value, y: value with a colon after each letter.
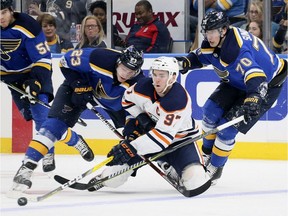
x: 247, y: 188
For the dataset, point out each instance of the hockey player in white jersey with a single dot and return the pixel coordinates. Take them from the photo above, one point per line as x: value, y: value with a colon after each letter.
x: 162, y: 108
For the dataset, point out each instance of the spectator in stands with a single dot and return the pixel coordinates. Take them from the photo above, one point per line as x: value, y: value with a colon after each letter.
x: 234, y: 9
x: 255, y: 28
x: 99, y: 9
x: 279, y: 41
x: 278, y: 10
x: 92, y: 33
x: 33, y: 9
x: 255, y: 13
x: 148, y: 34
x: 193, y: 19
x: 56, y: 43
x: 65, y: 12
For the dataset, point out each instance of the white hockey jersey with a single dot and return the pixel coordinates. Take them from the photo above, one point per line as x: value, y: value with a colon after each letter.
x: 171, y: 113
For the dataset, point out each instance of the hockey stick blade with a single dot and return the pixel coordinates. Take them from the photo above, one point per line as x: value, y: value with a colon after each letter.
x: 196, y: 191
x: 76, y: 185
x: 34, y: 198
x: 80, y: 186
x: 175, y: 184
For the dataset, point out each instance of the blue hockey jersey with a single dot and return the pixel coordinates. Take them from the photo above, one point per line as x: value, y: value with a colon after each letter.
x: 25, y: 53
x: 99, y: 67
x: 241, y: 58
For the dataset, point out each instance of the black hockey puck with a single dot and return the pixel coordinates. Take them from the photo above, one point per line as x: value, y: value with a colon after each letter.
x: 22, y: 201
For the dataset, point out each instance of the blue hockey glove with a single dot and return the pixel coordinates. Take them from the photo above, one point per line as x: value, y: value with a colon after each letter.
x: 32, y: 87
x: 184, y: 64
x: 131, y: 130
x: 82, y: 93
x: 122, y: 153
x: 252, y: 107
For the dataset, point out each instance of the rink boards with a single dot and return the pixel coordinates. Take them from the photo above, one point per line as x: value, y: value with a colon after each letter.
x: 267, y: 140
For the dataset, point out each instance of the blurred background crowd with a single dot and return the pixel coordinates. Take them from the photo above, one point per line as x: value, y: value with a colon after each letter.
x: 70, y: 24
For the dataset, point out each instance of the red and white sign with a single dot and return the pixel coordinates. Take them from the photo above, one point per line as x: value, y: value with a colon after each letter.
x: 173, y: 15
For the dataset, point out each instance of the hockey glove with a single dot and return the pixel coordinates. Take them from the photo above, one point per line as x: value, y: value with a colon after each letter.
x: 122, y: 153
x: 131, y: 130
x: 145, y: 122
x: 82, y: 93
x: 32, y: 87
x: 252, y: 106
x: 184, y: 64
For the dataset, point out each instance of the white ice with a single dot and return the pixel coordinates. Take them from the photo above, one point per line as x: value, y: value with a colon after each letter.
x: 247, y: 188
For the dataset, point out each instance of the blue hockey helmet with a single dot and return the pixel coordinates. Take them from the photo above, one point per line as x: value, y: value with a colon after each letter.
x: 132, y: 59
x: 6, y: 4
x: 214, y: 20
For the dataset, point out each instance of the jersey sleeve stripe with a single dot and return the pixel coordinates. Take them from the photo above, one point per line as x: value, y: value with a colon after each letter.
x: 126, y: 103
x: 142, y: 95
x: 24, y: 31
x: 207, y: 50
x: 162, y: 139
x: 155, y: 141
x: 253, y: 75
x: 224, y: 4
x: 238, y: 36
x: 101, y: 70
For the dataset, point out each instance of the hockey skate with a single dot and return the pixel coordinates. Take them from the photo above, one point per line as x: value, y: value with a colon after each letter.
x: 93, y: 181
x: 21, y: 181
x: 84, y: 149
x: 48, y: 163
x: 169, y: 171
x: 214, y: 173
x: 206, y: 159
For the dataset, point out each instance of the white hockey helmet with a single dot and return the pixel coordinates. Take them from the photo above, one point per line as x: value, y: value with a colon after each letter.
x: 169, y: 64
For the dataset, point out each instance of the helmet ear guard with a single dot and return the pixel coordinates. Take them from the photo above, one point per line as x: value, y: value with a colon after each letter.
x: 132, y: 59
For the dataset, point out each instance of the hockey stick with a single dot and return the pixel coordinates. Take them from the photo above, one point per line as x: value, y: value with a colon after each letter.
x: 80, y: 121
x: 171, y: 181
x: 101, y: 117
x: 81, y: 186
x: 32, y: 198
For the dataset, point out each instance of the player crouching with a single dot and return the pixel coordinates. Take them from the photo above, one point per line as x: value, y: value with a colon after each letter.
x: 162, y: 109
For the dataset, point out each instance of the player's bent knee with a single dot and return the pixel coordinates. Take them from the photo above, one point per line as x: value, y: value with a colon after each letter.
x: 119, y: 180
x: 193, y: 176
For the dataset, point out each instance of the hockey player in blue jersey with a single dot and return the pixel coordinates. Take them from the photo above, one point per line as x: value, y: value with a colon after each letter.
x: 96, y: 76
x: 251, y: 76
x: 163, y: 110
x: 26, y: 64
